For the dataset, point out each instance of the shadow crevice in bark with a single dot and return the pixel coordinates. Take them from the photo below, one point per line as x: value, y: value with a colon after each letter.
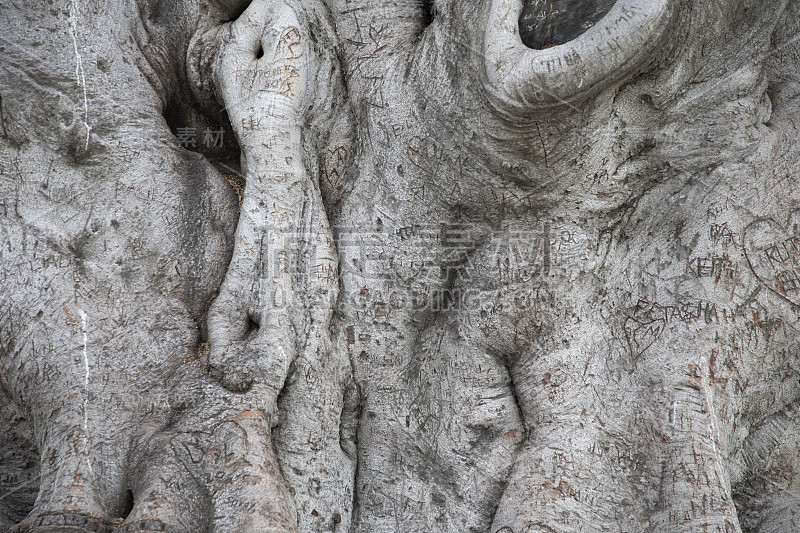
x: 430, y: 12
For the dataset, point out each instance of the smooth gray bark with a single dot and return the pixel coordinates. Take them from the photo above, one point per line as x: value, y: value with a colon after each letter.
x: 507, y: 266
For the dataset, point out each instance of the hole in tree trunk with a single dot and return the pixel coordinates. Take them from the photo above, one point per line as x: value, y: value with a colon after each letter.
x: 547, y: 23
x: 121, y: 513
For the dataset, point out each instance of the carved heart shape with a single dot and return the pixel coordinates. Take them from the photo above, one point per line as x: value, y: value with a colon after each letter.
x: 773, y: 254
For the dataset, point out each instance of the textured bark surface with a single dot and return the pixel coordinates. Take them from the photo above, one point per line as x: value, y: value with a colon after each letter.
x: 494, y: 266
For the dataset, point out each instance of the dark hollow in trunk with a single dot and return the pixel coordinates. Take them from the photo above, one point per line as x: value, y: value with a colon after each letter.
x: 547, y: 23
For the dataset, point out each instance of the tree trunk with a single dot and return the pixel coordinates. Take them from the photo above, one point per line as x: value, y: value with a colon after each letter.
x: 365, y: 266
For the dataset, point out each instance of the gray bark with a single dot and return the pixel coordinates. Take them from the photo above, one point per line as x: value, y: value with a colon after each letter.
x: 498, y: 266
